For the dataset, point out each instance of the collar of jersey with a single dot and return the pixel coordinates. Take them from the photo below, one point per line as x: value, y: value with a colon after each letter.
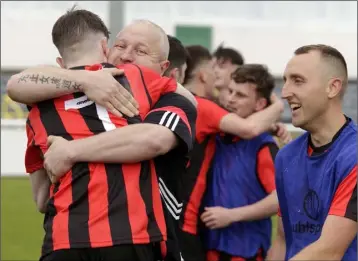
x: 323, y: 149
x: 83, y: 67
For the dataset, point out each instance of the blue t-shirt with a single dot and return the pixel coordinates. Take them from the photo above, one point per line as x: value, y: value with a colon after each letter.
x: 306, y: 186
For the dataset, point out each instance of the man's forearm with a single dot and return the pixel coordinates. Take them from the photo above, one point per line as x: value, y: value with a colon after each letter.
x: 277, y: 252
x: 263, y: 120
x: 42, y: 83
x: 40, y: 184
x: 262, y: 209
x: 128, y: 144
x: 43, y: 196
x: 317, y: 251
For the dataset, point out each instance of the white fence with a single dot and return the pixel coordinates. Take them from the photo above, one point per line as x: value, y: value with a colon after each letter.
x: 13, y: 146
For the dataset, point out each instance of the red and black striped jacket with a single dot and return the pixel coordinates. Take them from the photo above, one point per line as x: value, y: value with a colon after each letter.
x: 94, y: 204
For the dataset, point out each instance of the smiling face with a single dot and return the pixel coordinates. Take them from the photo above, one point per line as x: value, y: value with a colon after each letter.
x: 305, y: 88
x: 142, y: 44
x: 242, y: 99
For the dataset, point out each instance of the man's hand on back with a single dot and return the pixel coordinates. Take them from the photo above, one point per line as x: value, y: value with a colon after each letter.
x: 108, y: 92
x: 57, y: 159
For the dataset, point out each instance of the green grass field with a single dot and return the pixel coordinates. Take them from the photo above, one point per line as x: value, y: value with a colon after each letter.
x: 21, y: 224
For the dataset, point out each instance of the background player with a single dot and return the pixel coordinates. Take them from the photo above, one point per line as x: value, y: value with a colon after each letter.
x: 199, y: 76
x: 178, y: 59
x: 211, y: 120
x: 316, y: 174
x: 241, y: 195
x: 226, y: 61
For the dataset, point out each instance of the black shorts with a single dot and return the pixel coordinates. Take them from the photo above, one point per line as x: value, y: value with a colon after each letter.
x: 191, y: 246
x: 114, y: 253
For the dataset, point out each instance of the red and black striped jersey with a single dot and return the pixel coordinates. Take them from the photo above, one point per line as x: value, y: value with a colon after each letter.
x: 94, y: 204
x: 195, y: 179
x: 178, y: 114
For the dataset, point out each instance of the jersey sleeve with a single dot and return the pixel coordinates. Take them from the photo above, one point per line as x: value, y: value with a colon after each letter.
x: 266, y: 166
x: 33, y: 154
x: 157, y: 84
x: 209, y: 117
x: 177, y: 114
x: 344, y: 203
x: 170, y: 85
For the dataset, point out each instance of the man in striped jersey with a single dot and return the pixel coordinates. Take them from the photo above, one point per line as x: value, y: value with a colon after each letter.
x: 104, y: 211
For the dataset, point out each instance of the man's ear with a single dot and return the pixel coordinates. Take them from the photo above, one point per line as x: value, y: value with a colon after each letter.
x: 105, y: 48
x: 202, y: 76
x: 60, y: 62
x: 261, y: 103
x: 174, y: 73
x: 334, y: 88
x: 164, y: 66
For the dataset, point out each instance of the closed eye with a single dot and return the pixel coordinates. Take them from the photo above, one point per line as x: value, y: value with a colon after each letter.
x: 141, y: 52
x: 120, y: 46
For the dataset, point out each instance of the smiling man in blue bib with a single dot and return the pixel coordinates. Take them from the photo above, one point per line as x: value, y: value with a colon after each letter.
x: 316, y: 174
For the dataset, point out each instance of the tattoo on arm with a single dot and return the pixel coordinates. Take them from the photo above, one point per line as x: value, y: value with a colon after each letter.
x: 57, y: 82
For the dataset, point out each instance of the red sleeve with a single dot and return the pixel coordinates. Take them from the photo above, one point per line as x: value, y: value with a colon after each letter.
x: 177, y: 114
x: 266, y: 166
x: 209, y: 117
x: 170, y: 85
x: 279, y: 212
x: 33, y: 155
x: 156, y: 83
x: 344, y: 203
